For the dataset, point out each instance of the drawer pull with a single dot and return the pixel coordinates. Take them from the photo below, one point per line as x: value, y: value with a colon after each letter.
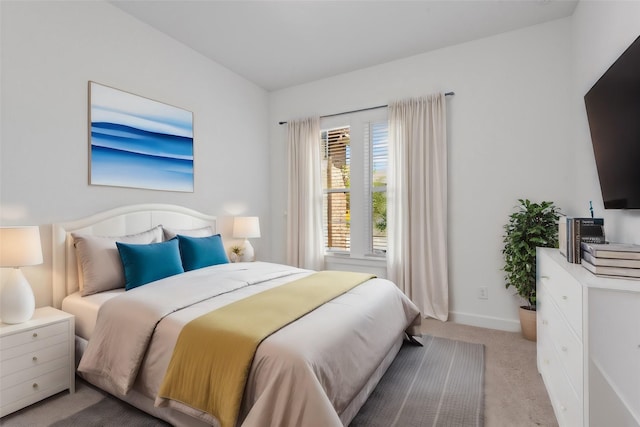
x: 34, y: 358
x: 564, y: 348
x: 564, y: 297
x: 544, y: 322
x: 544, y: 277
x: 35, y: 335
x: 35, y: 385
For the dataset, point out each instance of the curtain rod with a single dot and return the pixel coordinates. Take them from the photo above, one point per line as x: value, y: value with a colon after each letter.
x: 362, y: 109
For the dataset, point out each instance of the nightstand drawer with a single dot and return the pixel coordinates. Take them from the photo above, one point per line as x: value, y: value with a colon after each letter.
x: 35, y: 346
x: 31, y: 374
x: 33, y: 336
x: 34, y: 358
x: 49, y: 382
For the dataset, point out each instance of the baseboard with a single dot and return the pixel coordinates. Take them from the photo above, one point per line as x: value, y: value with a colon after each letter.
x: 490, y: 322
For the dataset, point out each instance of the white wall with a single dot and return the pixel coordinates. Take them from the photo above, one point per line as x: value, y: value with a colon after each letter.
x: 602, y: 30
x: 509, y: 137
x: 50, y: 50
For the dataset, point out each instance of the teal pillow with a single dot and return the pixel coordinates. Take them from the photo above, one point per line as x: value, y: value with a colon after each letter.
x: 199, y: 252
x: 147, y: 263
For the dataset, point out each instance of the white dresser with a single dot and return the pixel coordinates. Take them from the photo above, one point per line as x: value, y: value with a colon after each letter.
x: 36, y: 359
x: 588, y: 343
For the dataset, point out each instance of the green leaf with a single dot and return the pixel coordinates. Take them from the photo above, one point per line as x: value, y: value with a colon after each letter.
x: 531, y: 225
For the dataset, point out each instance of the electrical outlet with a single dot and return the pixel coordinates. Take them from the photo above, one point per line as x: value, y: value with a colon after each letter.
x: 483, y: 292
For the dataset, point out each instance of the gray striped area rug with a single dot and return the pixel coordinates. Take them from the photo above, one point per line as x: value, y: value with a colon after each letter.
x: 440, y: 384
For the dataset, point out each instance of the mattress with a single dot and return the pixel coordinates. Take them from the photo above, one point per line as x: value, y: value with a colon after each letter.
x: 85, y: 309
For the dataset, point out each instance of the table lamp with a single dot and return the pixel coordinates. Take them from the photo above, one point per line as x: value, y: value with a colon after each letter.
x: 246, y: 227
x: 19, y: 247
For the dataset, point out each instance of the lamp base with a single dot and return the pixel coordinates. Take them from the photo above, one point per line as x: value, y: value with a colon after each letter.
x: 248, y: 254
x: 17, y: 302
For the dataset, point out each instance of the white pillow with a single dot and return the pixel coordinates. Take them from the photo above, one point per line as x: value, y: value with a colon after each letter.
x: 99, y: 265
x: 170, y: 233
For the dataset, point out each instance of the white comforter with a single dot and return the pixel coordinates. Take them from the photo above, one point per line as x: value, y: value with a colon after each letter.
x: 307, y: 373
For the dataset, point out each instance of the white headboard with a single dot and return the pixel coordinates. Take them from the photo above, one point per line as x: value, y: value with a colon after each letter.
x: 114, y: 222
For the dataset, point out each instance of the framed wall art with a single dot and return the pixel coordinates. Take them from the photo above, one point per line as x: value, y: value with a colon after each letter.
x: 138, y: 142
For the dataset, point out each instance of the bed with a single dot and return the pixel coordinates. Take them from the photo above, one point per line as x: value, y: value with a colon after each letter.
x: 317, y: 370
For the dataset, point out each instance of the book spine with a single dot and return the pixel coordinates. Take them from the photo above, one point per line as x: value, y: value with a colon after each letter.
x: 616, y: 254
x: 593, y: 239
x: 611, y: 250
x: 612, y: 271
x: 569, y: 239
x: 593, y: 221
x: 562, y: 235
x: 610, y: 262
x: 576, y: 242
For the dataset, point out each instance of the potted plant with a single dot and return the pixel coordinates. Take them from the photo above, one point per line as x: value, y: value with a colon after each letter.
x: 236, y: 253
x: 530, y: 226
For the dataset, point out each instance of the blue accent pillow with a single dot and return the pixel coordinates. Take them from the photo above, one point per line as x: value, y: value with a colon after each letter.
x: 199, y: 252
x: 147, y: 263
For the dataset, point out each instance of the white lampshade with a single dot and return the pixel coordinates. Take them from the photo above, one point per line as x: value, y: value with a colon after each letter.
x: 246, y: 227
x: 19, y: 246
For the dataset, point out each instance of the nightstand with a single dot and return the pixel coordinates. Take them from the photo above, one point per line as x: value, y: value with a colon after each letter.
x: 36, y: 359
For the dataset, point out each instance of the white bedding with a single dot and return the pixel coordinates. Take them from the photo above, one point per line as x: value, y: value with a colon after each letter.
x: 85, y: 309
x: 306, y: 373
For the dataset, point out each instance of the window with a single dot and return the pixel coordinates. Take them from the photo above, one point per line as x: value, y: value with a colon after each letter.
x: 336, y: 171
x: 377, y: 180
x: 354, y: 179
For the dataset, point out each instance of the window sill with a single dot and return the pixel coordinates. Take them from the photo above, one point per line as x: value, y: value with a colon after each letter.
x: 346, y: 258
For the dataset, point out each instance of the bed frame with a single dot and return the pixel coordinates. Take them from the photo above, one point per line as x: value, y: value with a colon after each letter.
x: 134, y: 219
x: 114, y: 222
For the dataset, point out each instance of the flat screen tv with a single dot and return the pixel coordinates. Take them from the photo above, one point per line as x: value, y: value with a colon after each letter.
x: 613, y: 111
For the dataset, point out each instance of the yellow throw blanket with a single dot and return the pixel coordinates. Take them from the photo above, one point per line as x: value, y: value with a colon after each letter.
x: 213, y: 354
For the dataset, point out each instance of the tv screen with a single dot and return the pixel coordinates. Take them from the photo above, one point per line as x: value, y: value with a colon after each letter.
x: 613, y: 111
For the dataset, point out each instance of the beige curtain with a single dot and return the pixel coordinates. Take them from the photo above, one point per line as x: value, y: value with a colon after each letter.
x: 417, y: 203
x: 305, y: 247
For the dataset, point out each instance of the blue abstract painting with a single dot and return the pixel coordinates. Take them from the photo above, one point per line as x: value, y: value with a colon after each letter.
x: 137, y: 142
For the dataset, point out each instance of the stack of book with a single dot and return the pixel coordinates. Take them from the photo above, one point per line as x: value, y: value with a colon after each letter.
x: 613, y: 259
x: 582, y: 230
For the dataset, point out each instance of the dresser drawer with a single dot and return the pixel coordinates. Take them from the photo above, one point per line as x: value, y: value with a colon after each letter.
x: 566, y: 404
x: 565, y: 291
x: 33, y: 337
x: 564, y: 342
x: 543, y: 339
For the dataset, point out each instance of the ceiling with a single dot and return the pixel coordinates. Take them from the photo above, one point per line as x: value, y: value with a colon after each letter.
x: 277, y: 44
